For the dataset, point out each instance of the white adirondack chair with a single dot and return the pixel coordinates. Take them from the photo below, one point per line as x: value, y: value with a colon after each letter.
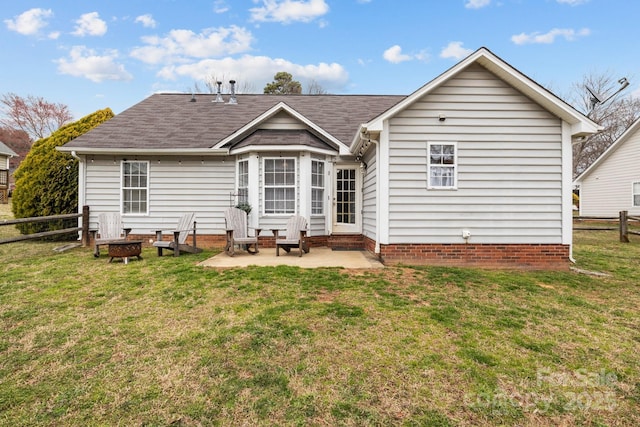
x: 186, y: 225
x: 238, y: 232
x: 110, y: 229
x: 295, y: 236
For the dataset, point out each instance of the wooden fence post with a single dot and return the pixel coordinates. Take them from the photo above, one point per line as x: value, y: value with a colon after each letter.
x: 624, y: 230
x: 85, y: 226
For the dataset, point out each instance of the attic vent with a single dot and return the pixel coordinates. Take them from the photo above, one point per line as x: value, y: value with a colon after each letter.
x: 219, y: 93
x: 232, y: 98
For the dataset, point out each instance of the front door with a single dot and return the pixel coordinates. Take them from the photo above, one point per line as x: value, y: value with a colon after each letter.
x: 346, y: 202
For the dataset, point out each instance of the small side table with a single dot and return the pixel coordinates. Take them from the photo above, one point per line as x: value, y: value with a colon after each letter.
x: 125, y: 249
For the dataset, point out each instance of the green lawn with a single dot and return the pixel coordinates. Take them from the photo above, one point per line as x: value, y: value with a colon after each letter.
x: 163, y: 342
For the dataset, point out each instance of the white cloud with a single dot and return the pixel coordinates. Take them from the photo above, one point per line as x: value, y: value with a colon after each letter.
x: 476, y: 4
x: 256, y: 71
x: 30, y: 22
x: 146, y: 20
x: 84, y: 62
x: 179, y: 45
x: 549, y: 37
x: 220, y: 6
x: 54, y: 35
x: 90, y: 24
x: 287, y: 11
x: 455, y: 50
x: 395, y: 56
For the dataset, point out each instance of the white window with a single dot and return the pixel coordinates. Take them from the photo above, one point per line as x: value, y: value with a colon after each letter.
x: 243, y: 182
x: 135, y: 187
x: 317, y: 187
x: 279, y: 177
x: 636, y: 194
x: 442, y: 165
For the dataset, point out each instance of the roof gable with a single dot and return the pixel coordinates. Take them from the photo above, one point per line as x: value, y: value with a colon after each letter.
x: 626, y: 135
x: 249, y: 129
x: 580, y: 124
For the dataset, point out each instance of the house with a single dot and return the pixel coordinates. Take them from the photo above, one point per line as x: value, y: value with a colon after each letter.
x: 6, y: 154
x: 473, y: 168
x: 612, y: 183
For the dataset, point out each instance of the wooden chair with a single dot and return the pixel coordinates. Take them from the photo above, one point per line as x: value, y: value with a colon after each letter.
x: 238, y: 232
x: 186, y: 225
x: 295, y: 236
x: 110, y: 229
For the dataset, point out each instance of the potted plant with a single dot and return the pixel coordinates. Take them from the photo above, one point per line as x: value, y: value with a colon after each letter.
x: 244, y: 206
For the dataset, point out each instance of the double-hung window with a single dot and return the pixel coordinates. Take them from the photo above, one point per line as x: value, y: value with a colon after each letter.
x: 243, y: 181
x: 636, y: 194
x: 135, y: 187
x: 317, y: 187
x: 279, y: 177
x: 442, y: 165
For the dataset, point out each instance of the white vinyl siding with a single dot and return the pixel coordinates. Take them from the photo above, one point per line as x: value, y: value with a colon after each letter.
x: 369, y: 208
x: 203, y: 186
x: 509, y: 161
x: 608, y: 189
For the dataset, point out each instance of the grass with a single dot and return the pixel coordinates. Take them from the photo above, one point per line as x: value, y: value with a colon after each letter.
x: 165, y: 342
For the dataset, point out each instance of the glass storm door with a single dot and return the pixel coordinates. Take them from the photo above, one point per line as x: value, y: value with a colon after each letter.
x: 346, y: 203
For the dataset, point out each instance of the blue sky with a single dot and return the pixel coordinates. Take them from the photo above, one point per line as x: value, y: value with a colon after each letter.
x: 94, y: 54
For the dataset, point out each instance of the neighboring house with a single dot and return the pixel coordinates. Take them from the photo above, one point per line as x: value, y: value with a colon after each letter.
x: 6, y: 153
x: 473, y: 168
x: 612, y: 183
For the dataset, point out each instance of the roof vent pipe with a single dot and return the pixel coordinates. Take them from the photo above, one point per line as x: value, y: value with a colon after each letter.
x: 219, y: 93
x: 232, y: 98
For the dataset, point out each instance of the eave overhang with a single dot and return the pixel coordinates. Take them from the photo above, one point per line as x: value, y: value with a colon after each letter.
x: 151, y: 151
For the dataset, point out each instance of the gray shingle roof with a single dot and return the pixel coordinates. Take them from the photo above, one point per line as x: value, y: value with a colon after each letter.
x: 283, y: 137
x: 6, y: 151
x: 171, y: 121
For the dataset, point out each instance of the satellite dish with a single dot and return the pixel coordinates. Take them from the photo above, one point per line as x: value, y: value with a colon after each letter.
x: 595, y: 97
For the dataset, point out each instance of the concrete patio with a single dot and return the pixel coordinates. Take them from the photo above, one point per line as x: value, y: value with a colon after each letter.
x: 317, y: 257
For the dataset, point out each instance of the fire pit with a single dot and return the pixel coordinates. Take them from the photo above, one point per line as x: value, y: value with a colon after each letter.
x: 125, y: 249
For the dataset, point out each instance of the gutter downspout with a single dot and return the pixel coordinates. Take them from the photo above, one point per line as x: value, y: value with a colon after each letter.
x: 81, y: 185
x: 377, y: 247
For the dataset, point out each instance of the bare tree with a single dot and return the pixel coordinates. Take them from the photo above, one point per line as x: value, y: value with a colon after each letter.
x: 33, y: 115
x: 314, y: 88
x: 615, y: 116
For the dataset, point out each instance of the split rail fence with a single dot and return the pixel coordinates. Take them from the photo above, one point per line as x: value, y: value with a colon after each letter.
x: 84, y: 228
x: 622, y: 223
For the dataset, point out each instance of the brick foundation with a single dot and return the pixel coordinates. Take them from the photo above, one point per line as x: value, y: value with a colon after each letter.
x: 346, y: 242
x: 528, y: 256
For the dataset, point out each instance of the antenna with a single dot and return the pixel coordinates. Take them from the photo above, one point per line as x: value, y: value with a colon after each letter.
x: 596, y: 98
